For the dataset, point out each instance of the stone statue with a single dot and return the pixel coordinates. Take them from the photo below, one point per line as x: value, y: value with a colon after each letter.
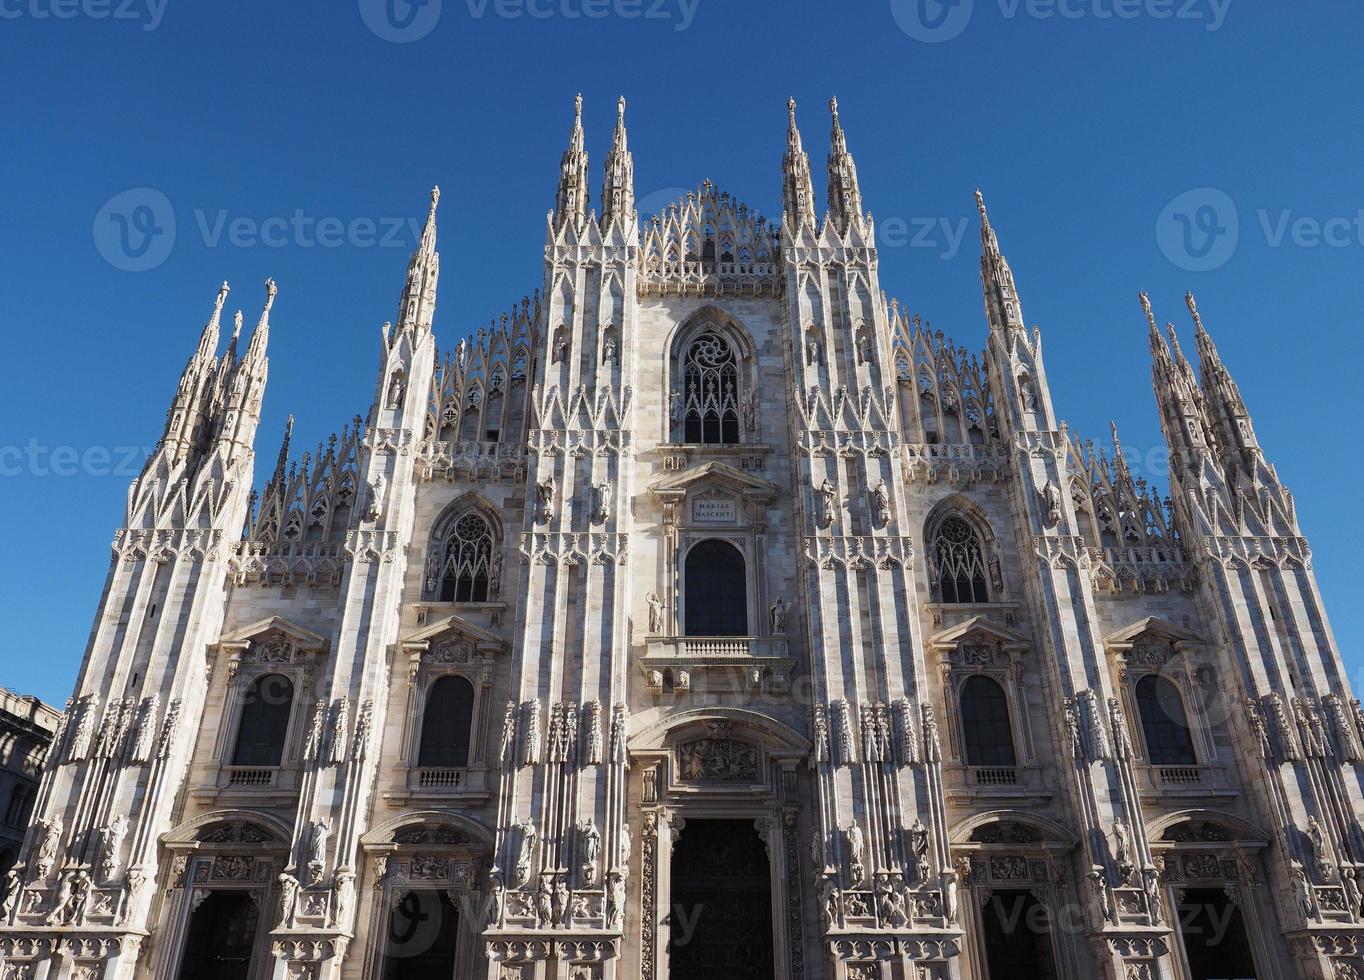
x: 655, y: 613
x: 856, y: 852
x: 615, y: 899
x: 560, y: 904
x: 1317, y: 838
x: 13, y: 883
x: 396, y: 390
x: 1051, y: 504
x: 318, y: 832
x: 544, y: 497
x: 375, y: 508
x: 544, y: 903
x: 288, y: 896
x: 827, y: 497
x: 505, y: 752
x: 880, y: 502
x: 497, y: 895
x: 604, y: 495
x: 626, y: 843
x: 1302, y: 888
x: 777, y: 616
x: 110, y: 839
x: 49, y: 841
x: 1150, y: 882
x: 591, y: 838
x: 817, y: 855
x: 526, y: 854
x: 345, y: 894
x: 811, y: 350
x: 1121, y: 849
x: 609, y: 350
x: 750, y: 410
x: 1351, y: 886
x: 675, y: 406
x: 918, y: 843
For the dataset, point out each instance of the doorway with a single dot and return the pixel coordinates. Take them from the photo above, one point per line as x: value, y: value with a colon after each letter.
x: 720, y: 913
x: 422, y: 938
x: 220, y: 939
x: 1214, y: 935
x: 1017, y: 936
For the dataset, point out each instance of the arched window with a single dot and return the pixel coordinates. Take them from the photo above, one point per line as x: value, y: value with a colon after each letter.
x: 446, y: 725
x: 1163, y: 722
x: 17, y: 812
x: 717, y: 590
x: 959, y: 558
x: 985, y: 723
x: 710, y: 373
x: 466, y: 565
x: 264, y: 721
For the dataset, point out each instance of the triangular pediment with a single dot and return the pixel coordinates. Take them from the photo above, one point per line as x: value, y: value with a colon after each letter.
x: 482, y: 638
x: 303, y: 638
x: 1151, y: 625
x: 717, y: 474
x: 979, y: 629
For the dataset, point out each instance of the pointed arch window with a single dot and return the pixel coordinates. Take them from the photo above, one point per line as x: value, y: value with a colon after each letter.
x: 987, y: 732
x: 466, y: 560
x: 959, y: 561
x: 264, y: 721
x: 446, y: 725
x: 711, y: 391
x: 1164, y: 723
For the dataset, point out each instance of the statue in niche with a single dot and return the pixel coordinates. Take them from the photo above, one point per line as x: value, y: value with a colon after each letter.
x: 591, y: 838
x: 375, y: 507
x: 857, y: 850
x: 13, y: 882
x: 777, y: 616
x: 49, y: 840
x: 318, y: 833
x: 615, y: 899
x: 608, y: 354
x: 1351, y: 886
x: 918, y: 843
x: 345, y: 894
x: 675, y: 407
x: 1122, y: 853
x: 880, y: 502
x: 1050, y: 497
x: 526, y: 854
x: 750, y: 411
x: 110, y: 839
x: 604, y: 497
x: 288, y: 896
x: 828, y: 495
x: 811, y: 350
x: 544, y: 903
x: 397, y: 389
x: 544, y: 498
x: 655, y: 613
x: 560, y: 351
x: 1027, y: 393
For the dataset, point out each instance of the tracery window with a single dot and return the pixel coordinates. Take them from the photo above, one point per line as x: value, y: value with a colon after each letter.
x: 1163, y: 722
x: 986, y: 729
x: 264, y: 721
x: 711, y: 392
x: 446, y: 725
x: 466, y: 562
x: 717, y: 590
x: 959, y: 559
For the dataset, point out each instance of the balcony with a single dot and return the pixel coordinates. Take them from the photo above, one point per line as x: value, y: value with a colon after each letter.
x: 240, y: 777
x: 440, y: 778
x: 439, y: 785
x: 1016, y: 785
x: 734, y: 664
x: 1164, y: 782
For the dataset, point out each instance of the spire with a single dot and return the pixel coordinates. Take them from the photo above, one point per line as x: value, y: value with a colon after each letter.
x: 1225, y: 405
x: 1177, y: 394
x: 260, y: 337
x: 1003, y: 307
x: 845, y: 195
x: 798, y: 190
x: 189, y: 412
x: 417, y: 306
x: 618, y: 184
x: 282, y: 461
x: 570, y: 205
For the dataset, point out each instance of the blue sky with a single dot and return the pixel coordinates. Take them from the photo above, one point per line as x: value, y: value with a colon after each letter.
x: 1122, y: 145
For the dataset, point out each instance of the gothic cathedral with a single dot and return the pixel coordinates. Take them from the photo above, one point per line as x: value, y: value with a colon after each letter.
x: 705, y: 616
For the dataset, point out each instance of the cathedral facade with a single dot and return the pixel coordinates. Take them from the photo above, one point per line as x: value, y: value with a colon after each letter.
x: 705, y: 615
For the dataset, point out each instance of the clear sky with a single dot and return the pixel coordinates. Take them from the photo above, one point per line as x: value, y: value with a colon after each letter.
x: 1165, y: 145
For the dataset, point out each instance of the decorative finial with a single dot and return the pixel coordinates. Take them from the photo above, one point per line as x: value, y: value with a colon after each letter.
x: 1193, y: 309
x: 791, y: 110
x: 270, y: 290
x: 435, y: 198
x: 1150, y: 314
x: 980, y: 203
x: 833, y: 106
x: 578, y: 106
x: 223, y: 290
x: 237, y: 325
x: 620, y: 107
